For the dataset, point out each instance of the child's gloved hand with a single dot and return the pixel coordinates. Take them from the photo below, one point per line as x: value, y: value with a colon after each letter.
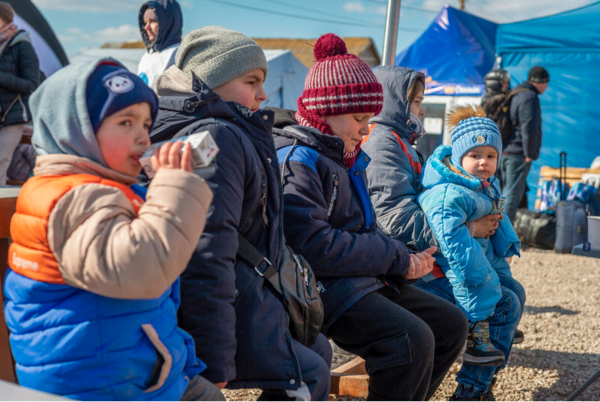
x: 420, y: 264
x: 170, y: 156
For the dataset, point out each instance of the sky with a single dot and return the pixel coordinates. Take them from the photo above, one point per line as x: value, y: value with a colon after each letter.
x: 90, y: 23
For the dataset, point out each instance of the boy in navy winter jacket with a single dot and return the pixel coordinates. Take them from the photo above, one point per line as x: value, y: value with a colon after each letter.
x: 239, y: 323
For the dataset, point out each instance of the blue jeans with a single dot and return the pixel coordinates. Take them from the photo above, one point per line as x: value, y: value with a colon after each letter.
x: 514, y: 171
x: 502, y: 326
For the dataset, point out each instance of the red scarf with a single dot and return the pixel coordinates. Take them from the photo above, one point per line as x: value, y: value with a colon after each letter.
x: 305, y: 119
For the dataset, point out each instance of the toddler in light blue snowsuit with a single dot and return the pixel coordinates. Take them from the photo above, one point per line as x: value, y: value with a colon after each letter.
x: 461, y: 186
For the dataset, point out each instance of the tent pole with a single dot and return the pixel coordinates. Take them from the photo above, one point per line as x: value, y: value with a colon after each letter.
x: 391, y: 33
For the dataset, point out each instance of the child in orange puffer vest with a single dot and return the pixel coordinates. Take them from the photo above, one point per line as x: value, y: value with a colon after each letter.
x: 93, y: 289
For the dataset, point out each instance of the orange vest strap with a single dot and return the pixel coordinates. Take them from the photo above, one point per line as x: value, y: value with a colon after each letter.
x: 416, y: 165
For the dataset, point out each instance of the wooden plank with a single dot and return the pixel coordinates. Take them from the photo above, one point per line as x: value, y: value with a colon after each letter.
x: 8, y: 199
x: 355, y: 366
x: 7, y: 372
x: 350, y: 379
x: 350, y: 385
x: 572, y: 172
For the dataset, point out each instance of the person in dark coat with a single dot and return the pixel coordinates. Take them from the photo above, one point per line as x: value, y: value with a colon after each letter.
x: 408, y: 338
x: 523, y: 147
x: 160, y: 23
x: 19, y: 77
x: 238, y: 322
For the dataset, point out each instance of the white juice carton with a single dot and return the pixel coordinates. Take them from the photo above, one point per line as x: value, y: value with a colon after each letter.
x: 204, y: 151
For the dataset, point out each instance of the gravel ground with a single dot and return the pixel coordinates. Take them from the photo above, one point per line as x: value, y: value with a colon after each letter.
x: 562, y: 333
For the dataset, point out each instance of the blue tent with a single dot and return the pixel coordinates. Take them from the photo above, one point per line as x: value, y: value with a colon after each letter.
x: 454, y: 53
x: 566, y: 44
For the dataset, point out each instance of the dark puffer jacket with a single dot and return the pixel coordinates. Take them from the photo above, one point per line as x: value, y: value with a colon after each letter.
x: 238, y: 323
x: 526, y: 115
x: 330, y: 221
x: 19, y: 75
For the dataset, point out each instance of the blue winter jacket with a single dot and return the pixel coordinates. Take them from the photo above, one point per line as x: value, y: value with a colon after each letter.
x: 170, y: 23
x: 330, y: 221
x: 394, y: 174
x: 450, y: 200
x: 526, y: 115
x: 239, y: 324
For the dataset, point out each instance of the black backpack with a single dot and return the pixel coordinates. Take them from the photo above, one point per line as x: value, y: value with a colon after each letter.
x: 497, y: 108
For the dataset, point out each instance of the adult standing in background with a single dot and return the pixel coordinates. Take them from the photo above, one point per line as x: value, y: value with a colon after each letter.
x: 19, y: 77
x: 496, y: 82
x: 161, y: 23
x: 523, y: 147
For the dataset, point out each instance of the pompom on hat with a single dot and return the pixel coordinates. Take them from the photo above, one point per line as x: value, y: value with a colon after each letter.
x: 338, y: 83
x: 472, y: 129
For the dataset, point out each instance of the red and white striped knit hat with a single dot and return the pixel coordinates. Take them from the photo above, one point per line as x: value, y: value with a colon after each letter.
x: 338, y: 83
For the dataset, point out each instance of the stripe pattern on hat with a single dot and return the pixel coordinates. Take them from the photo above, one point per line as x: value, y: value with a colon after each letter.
x: 339, y: 85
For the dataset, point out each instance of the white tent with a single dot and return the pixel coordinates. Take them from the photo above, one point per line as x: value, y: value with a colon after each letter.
x: 284, y: 84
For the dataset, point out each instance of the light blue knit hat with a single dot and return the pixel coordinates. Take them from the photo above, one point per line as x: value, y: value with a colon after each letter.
x: 474, y: 132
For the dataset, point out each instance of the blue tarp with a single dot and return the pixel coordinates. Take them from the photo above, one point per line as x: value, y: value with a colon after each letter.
x: 455, y: 53
x: 566, y: 45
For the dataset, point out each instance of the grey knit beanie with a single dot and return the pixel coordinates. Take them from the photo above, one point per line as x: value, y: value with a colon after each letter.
x: 217, y: 55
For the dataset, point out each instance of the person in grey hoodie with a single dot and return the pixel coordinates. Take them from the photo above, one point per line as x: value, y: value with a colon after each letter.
x: 394, y: 174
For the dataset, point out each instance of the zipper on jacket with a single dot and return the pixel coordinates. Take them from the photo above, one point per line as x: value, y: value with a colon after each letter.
x: 262, y: 202
x: 333, y: 195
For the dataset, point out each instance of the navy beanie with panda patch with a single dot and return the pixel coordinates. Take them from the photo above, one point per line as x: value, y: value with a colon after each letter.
x: 111, y: 88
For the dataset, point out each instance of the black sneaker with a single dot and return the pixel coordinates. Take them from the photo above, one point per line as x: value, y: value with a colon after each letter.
x: 489, y: 394
x: 519, y: 337
x: 480, y: 351
x: 467, y: 393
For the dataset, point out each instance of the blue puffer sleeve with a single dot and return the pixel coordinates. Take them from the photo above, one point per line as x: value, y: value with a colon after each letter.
x: 332, y: 252
x: 446, y: 211
x: 208, y: 283
x: 505, y: 241
x: 390, y: 179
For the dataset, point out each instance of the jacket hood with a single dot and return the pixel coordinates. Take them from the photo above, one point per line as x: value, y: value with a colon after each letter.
x: 283, y: 117
x: 20, y: 36
x: 170, y: 24
x: 174, y: 82
x: 61, y: 121
x: 61, y: 165
x: 439, y: 170
x: 396, y: 109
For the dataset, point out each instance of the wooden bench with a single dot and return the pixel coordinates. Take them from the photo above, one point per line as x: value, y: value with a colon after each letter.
x: 350, y: 379
x: 8, y: 200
